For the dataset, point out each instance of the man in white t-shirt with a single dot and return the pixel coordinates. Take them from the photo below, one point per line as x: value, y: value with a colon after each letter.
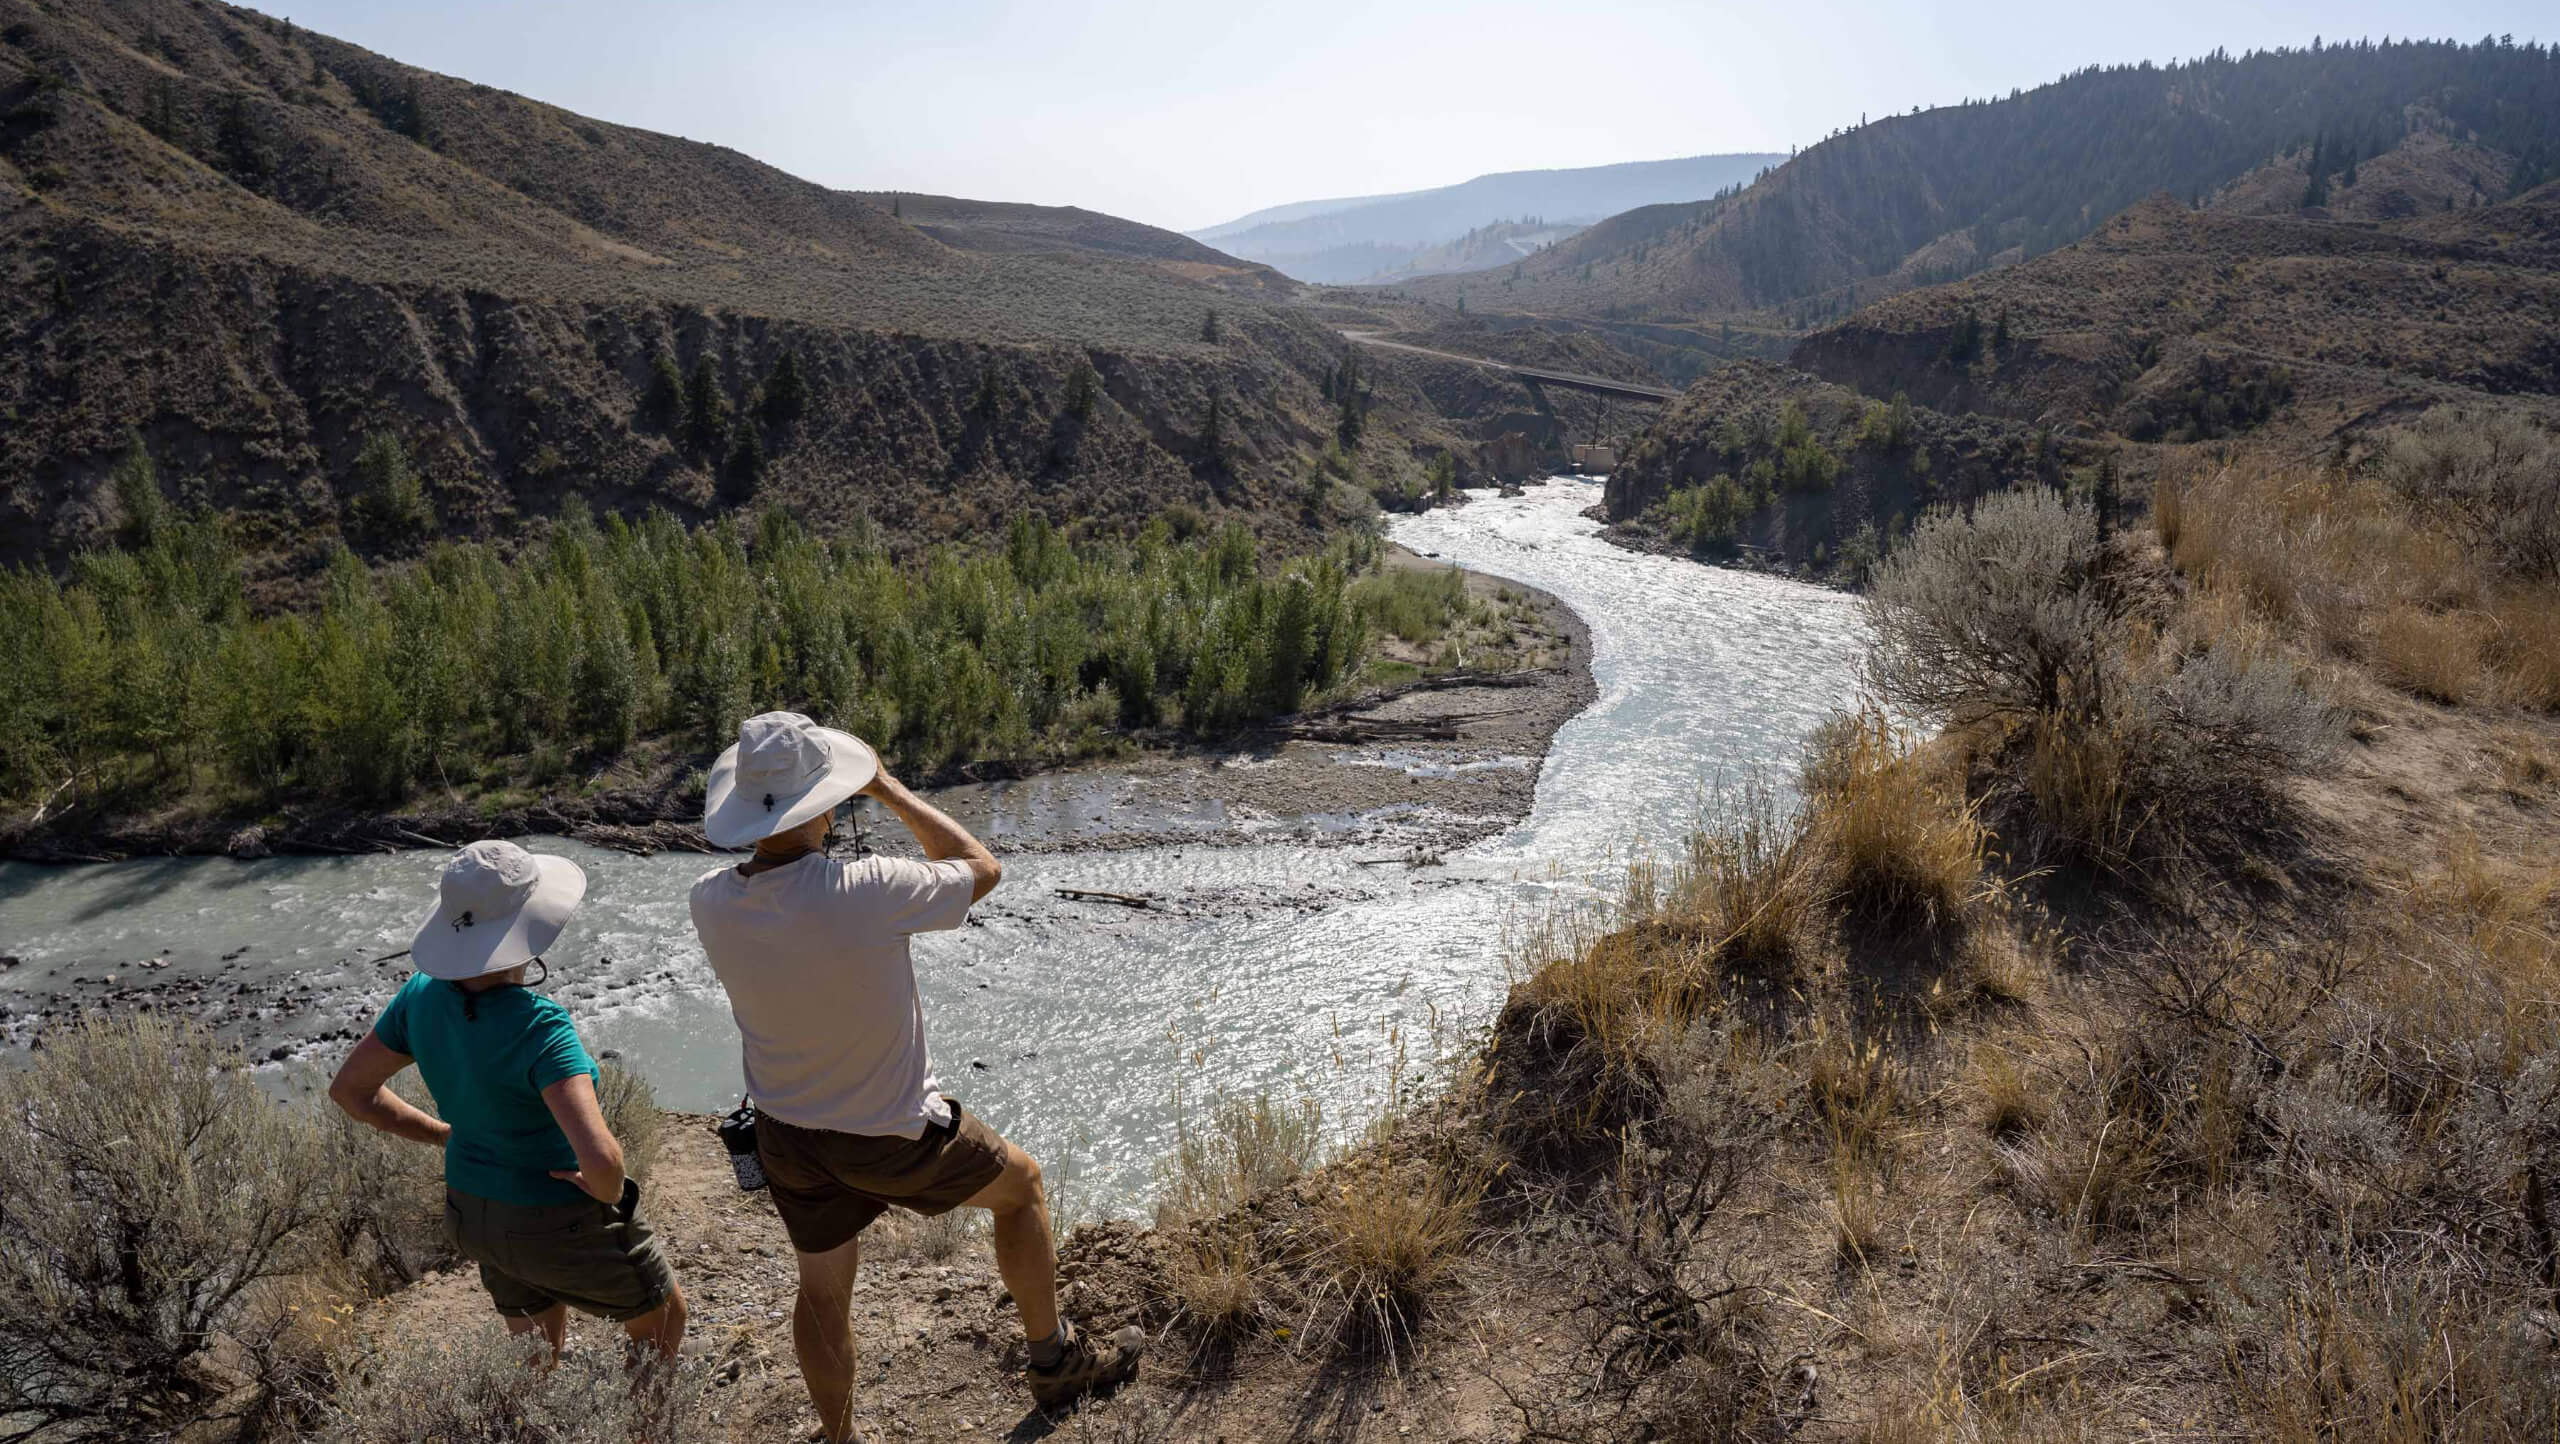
x: 813, y: 953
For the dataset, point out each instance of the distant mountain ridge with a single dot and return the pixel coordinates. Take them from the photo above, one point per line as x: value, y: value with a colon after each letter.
x: 1357, y: 238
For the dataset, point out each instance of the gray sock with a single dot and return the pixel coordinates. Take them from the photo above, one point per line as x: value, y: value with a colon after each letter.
x: 1045, y: 1353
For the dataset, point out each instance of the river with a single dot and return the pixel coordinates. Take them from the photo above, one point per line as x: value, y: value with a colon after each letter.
x: 1276, y: 965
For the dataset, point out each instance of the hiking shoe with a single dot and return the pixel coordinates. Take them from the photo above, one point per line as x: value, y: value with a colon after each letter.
x: 1089, y: 1367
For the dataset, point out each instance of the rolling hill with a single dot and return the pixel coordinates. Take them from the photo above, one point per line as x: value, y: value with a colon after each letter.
x: 1910, y: 200
x: 1360, y: 238
x: 258, y: 248
x: 2166, y: 327
x: 2173, y: 324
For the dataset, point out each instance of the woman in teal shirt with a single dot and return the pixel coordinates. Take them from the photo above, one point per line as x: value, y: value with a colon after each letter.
x: 534, y: 1187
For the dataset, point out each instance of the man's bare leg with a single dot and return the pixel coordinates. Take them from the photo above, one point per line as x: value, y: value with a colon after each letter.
x: 822, y: 1335
x: 1025, y: 1253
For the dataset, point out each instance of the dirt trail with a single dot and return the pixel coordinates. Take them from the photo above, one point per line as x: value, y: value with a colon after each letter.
x: 941, y: 1351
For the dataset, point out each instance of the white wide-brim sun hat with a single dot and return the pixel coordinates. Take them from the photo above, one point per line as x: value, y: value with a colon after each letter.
x: 784, y: 770
x: 497, y: 906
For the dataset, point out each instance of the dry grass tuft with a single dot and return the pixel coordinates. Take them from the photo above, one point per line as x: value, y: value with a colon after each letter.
x: 2523, y: 766
x: 1216, y: 1278
x: 1746, y: 883
x: 2081, y: 780
x: 480, y: 1384
x: 1244, y: 1148
x: 2006, y: 1104
x: 2397, y: 1362
x: 944, y: 1236
x: 1394, y: 1232
x: 1600, y: 994
x: 630, y: 1109
x: 1856, y: 1090
x: 1897, y: 840
x: 2004, y: 969
x: 1857, y: 1207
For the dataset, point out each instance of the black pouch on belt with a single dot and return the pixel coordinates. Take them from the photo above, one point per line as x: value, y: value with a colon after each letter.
x: 738, y: 1135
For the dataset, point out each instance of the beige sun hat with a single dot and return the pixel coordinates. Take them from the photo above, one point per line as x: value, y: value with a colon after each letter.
x: 785, y: 770
x: 497, y: 906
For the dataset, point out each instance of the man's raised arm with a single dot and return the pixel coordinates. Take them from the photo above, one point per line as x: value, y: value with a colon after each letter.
x: 937, y: 834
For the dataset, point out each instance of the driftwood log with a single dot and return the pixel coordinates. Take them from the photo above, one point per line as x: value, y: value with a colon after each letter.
x: 1116, y: 899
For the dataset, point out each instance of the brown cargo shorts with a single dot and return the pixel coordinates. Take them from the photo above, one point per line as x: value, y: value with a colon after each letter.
x: 829, y: 1186
x: 596, y: 1259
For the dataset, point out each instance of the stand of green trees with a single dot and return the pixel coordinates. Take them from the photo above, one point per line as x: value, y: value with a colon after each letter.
x: 148, y: 670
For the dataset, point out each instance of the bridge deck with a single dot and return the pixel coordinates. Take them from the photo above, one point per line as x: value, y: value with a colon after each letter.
x: 1575, y: 380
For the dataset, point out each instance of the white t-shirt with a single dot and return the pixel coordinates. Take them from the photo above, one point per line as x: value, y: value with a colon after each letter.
x: 814, y: 956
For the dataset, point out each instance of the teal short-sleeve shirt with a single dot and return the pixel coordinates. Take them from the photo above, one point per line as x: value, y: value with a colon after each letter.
x: 487, y: 1073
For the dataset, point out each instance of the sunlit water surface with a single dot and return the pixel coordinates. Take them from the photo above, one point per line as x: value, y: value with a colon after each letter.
x: 1070, y: 1025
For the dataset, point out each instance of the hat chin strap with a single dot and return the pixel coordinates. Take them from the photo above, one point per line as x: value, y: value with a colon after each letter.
x: 471, y: 995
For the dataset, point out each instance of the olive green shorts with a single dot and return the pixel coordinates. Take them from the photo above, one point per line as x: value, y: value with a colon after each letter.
x: 596, y: 1259
x: 829, y: 1186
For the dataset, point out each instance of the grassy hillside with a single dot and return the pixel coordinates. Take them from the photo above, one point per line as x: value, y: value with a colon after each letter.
x: 259, y: 247
x: 2169, y: 324
x: 1910, y: 199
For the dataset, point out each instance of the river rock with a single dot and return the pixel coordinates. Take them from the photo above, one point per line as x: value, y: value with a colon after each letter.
x: 249, y: 842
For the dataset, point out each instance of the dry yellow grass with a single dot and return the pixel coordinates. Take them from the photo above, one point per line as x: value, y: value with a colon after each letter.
x: 2345, y: 566
x: 1394, y: 1233
x: 2524, y: 764
x: 1741, y: 895
x: 2004, y: 1102
x: 1896, y: 837
x: 2081, y: 785
x: 1215, y: 1278
x: 1747, y: 880
x: 2436, y: 655
x: 2524, y: 643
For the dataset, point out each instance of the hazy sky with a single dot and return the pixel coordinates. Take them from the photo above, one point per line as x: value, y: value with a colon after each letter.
x: 1185, y: 115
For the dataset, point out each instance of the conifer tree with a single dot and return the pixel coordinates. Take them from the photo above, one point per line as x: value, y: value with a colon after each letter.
x: 662, y: 405
x: 786, y: 391
x: 706, y: 410
x: 1354, y: 414
x: 743, y: 471
x: 1209, y: 326
x: 1081, y: 387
